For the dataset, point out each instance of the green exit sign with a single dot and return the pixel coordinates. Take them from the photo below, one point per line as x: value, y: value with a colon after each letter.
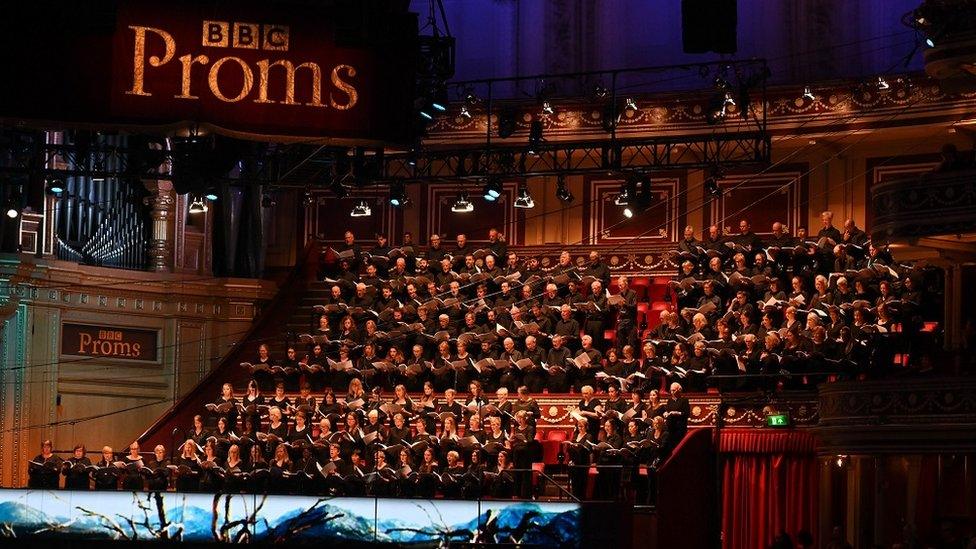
x: 777, y: 420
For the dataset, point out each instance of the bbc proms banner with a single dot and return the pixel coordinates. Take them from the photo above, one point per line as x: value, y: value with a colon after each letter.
x: 243, y: 518
x: 109, y: 342
x: 335, y: 71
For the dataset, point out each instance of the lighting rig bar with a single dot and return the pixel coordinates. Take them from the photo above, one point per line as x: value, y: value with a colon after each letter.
x: 555, y: 158
x: 31, y: 155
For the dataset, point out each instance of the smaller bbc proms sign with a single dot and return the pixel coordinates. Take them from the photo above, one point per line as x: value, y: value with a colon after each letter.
x: 109, y: 342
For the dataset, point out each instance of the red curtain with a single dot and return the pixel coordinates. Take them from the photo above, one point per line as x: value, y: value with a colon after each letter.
x: 769, y: 486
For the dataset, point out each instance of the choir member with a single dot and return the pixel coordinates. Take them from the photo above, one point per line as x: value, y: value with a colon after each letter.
x: 44, y: 470
x: 234, y: 467
x: 258, y: 470
x: 328, y: 405
x: 211, y: 470
x: 591, y: 409
x: 188, y: 468
x: 77, y: 469
x: 677, y: 412
x: 607, y: 457
x: 160, y: 466
x: 107, y: 470
x: 501, y: 483
x: 133, y: 476
x: 198, y: 433
x: 577, y: 454
x: 281, y: 471
x: 226, y: 406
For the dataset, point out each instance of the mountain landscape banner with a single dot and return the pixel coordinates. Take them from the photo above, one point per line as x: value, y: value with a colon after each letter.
x: 246, y: 518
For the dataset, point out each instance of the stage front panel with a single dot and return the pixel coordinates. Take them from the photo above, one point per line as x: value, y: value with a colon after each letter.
x: 243, y: 518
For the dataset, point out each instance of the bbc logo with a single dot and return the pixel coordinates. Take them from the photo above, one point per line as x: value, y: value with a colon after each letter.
x: 252, y: 36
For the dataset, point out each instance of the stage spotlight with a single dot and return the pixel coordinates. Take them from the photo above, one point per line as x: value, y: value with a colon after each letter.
x: 638, y: 195
x: 524, y: 199
x: 492, y: 190
x: 506, y: 122
x: 197, y: 205
x: 929, y: 42
x: 398, y: 195
x: 716, y: 109
x: 471, y: 98
x: 267, y: 201
x: 711, y: 188
x: 630, y: 106
x: 462, y: 204
x: 807, y: 94
x: 439, y: 102
x: 883, y: 84
x: 211, y: 194
x: 13, y: 210
x: 623, y: 198
x: 361, y: 209
x: 54, y: 186
x: 562, y: 193
x: 535, y: 136
x: 338, y: 189
x: 412, y: 157
x: 600, y: 92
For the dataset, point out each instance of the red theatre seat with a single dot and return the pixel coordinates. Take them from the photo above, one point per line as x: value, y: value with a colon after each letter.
x: 551, y: 446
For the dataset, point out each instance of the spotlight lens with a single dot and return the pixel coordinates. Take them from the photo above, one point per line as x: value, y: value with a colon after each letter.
x: 439, y: 106
x: 929, y: 42
x: 210, y: 196
x: 426, y: 115
x: 395, y: 201
x: 11, y: 213
x: 628, y: 213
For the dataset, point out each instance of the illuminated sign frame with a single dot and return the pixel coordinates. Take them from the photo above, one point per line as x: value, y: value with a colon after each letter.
x: 109, y: 342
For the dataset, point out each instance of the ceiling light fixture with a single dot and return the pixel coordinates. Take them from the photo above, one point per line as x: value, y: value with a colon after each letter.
x: 630, y: 106
x: 623, y: 198
x: 535, y: 136
x: 524, y: 199
x: 197, y: 205
x: 492, y: 190
x: 462, y: 204
x: 54, y: 186
x: 562, y: 192
x: 398, y: 195
x: 361, y: 209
